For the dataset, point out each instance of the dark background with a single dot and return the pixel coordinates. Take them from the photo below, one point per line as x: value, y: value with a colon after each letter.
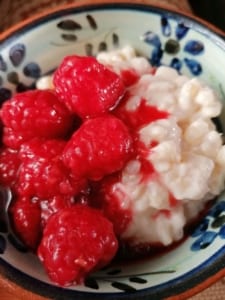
x: 211, y: 10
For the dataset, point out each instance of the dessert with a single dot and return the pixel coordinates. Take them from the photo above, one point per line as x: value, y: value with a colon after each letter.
x: 121, y: 153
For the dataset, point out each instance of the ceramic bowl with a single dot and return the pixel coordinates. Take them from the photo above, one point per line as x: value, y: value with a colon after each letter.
x: 35, y: 48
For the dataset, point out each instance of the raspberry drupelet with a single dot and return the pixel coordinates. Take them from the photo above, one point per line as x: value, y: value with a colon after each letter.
x: 9, y: 166
x: 26, y: 219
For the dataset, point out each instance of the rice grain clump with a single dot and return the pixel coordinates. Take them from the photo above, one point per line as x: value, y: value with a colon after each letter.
x: 184, y: 151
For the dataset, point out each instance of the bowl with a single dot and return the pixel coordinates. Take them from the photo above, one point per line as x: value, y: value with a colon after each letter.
x: 35, y: 48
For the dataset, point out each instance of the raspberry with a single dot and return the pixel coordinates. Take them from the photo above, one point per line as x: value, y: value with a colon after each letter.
x: 87, y: 87
x: 76, y: 241
x: 35, y: 113
x: 9, y: 165
x: 42, y: 173
x: 26, y: 217
x: 99, y: 147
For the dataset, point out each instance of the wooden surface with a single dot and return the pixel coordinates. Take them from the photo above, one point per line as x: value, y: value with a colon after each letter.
x: 15, y: 11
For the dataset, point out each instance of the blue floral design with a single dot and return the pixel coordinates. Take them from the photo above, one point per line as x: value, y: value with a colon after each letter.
x: 119, y: 280
x: 211, y: 228
x: 171, y: 46
x: 32, y: 70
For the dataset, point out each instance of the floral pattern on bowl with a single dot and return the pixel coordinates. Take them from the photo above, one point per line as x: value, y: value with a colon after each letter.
x: 165, y: 38
x: 171, y: 46
x: 210, y: 228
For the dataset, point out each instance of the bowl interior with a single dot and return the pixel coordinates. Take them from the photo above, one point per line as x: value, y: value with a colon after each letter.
x: 36, y: 49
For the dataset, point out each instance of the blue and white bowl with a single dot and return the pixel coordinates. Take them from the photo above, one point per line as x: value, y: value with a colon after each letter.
x: 35, y: 48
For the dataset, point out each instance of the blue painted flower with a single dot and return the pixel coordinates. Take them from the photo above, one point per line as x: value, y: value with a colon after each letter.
x: 204, y: 240
x: 32, y: 70
x: 171, y: 46
x: 210, y: 228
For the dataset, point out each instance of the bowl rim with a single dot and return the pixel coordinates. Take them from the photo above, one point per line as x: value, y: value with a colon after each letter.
x: 206, y: 278
x: 16, y: 279
x: 82, y: 4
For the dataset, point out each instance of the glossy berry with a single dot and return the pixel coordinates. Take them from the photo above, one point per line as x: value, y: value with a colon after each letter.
x: 75, y: 242
x: 9, y: 166
x: 87, y: 87
x: 26, y: 217
x: 36, y: 113
x: 99, y: 147
x: 42, y: 173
